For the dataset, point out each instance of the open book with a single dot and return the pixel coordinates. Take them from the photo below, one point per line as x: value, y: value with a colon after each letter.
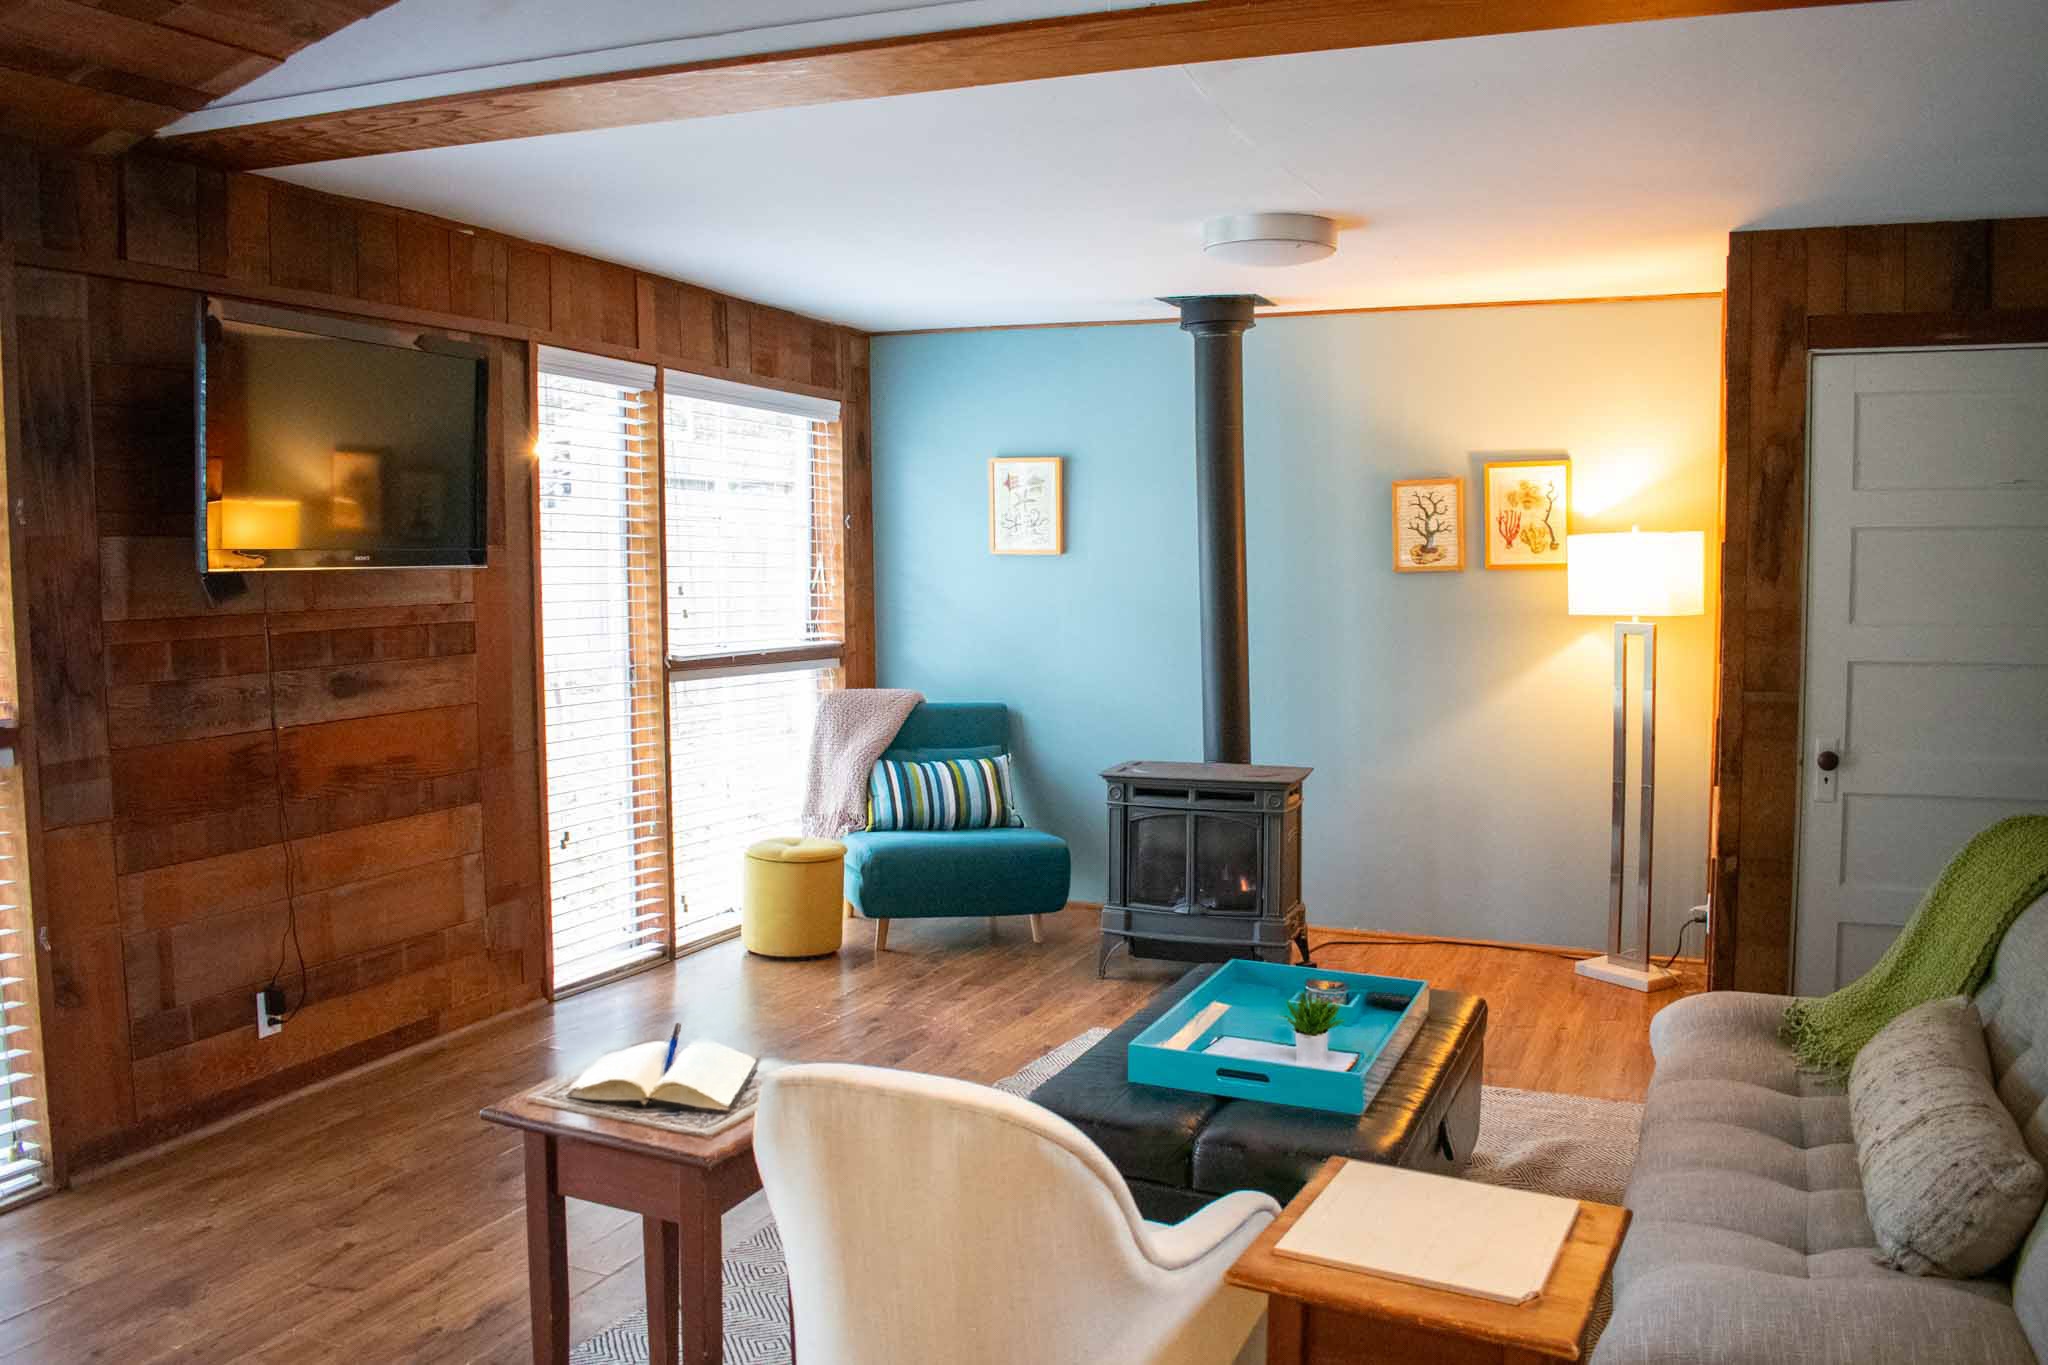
x: 705, y: 1075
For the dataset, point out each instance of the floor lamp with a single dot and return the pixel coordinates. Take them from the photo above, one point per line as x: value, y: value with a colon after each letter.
x: 1634, y: 574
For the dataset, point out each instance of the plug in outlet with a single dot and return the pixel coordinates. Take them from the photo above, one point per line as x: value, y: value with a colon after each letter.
x: 269, y: 1011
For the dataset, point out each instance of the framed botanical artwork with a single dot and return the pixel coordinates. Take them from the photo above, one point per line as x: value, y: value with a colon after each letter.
x: 1429, y: 525
x: 1528, y: 512
x: 1026, y: 511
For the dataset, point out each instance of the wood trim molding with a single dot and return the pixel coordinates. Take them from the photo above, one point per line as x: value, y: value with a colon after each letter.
x: 1041, y: 49
x: 699, y: 664
x: 1852, y: 331
x: 42, y: 258
x: 1268, y: 314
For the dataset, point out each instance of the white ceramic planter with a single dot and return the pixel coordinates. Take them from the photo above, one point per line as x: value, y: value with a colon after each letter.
x: 1311, y: 1048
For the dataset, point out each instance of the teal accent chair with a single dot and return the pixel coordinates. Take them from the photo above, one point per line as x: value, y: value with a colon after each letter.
x: 930, y: 874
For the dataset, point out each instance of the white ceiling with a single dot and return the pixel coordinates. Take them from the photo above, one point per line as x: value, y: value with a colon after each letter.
x: 1582, y: 163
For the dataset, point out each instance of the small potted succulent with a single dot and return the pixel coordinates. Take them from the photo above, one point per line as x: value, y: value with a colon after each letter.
x: 1312, y: 1020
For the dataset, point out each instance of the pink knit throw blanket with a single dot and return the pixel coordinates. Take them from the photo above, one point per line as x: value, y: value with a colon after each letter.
x: 854, y: 727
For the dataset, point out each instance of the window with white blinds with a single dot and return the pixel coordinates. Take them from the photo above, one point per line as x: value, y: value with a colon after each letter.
x: 692, y: 586
x: 24, y: 1165
x: 755, y: 512
x: 23, y: 1169
x: 754, y: 521
x: 738, y: 744
x: 603, y: 667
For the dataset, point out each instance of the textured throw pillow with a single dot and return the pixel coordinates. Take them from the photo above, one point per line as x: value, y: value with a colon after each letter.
x: 1947, y: 1180
x: 950, y: 793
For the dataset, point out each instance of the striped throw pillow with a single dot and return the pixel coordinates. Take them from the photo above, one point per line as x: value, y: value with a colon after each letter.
x: 951, y: 793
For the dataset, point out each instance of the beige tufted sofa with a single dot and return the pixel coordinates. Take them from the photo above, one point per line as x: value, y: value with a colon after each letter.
x: 1750, y: 1245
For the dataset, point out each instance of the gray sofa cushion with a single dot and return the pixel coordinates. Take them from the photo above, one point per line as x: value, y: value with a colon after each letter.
x: 1750, y: 1244
x: 2014, y: 1007
x: 1949, y: 1186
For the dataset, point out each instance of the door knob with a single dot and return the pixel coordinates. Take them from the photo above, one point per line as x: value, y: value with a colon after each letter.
x: 1828, y: 760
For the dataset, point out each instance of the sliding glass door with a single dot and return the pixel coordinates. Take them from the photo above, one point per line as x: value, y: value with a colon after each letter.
x: 25, y: 1169
x: 753, y: 528
x: 692, y: 591
x: 601, y: 669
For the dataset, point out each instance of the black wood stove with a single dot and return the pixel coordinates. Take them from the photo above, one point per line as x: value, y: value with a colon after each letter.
x: 1205, y: 858
x: 1204, y: 861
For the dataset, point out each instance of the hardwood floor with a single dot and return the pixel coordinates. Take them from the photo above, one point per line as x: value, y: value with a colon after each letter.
x: 1547, y: 1028
x: 377, y: 1219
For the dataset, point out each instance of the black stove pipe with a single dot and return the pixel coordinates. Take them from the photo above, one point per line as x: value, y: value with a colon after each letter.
x: 1218, y: 323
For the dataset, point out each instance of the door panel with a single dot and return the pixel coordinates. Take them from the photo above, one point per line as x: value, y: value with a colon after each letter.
x: 1927, y: 632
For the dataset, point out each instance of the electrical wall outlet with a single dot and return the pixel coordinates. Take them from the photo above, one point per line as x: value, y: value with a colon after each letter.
x: 269, y: 1011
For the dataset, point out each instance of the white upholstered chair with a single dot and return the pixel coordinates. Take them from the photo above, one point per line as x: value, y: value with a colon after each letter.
x: 930, y: 1220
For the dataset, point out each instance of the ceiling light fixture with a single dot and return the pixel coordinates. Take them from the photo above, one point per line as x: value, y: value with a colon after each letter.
x: 1269, y: 238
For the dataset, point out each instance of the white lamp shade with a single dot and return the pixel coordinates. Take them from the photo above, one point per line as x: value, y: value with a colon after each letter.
x: 1636, y: 573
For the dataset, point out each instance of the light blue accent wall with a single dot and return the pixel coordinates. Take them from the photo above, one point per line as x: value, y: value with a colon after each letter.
x: 1459, y: 723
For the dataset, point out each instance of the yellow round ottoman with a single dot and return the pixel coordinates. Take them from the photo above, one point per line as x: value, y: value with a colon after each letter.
x: 790, y: 906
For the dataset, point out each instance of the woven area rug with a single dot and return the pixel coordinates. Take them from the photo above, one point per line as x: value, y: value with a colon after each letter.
x: 1554, y: 1144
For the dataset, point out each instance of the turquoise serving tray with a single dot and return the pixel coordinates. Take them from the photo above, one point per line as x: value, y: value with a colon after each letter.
x: 1255, y: 996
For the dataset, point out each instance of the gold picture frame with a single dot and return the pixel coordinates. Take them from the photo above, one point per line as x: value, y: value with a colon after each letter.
x: 1429, y: 525
x: 1528, y: 512
x: 1027, y: 512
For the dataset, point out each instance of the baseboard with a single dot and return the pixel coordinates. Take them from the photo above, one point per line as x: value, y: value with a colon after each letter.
x: 1336, y: 935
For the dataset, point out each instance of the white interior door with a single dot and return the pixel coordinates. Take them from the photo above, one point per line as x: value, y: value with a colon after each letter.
x: 1927, y: 632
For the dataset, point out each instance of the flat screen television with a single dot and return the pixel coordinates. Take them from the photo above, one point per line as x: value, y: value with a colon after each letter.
x: 331, y: 444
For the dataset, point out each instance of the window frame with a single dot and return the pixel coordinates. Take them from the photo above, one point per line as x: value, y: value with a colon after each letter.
x: 827, y: 420
x: 828, y: 417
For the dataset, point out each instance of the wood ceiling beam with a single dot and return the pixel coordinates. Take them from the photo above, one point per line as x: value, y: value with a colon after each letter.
x: 1082, y: 44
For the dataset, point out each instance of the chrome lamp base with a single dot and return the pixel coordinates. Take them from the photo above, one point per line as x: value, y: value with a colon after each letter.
x: 1619, y: 968
x: 1622, y: 971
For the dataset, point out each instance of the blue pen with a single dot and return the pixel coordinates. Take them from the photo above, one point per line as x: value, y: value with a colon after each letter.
x: 673, y: 1035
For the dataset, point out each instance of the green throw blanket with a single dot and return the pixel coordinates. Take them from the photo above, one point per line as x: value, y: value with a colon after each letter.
x: 1945, y: 949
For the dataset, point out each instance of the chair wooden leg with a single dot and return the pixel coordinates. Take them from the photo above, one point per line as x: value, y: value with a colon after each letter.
x: 1037, y: 930
x: 881, y: 936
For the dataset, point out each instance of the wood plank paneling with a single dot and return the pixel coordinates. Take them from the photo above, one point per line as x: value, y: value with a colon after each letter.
x: 51, y: 393
x: 160, y: 212
x: 325, y: 861
x: 345, y: 757
x: 102, y: 77
x: 1789, y: 292
x: 373, y: 734
x: 172, y: 1081
x: 159, y: 712
x: 376, y: 912
x: 311, y: 815
x: 856, y: 446
x: 310, y: 696
x: 142, y: 842
x: 166, y: 897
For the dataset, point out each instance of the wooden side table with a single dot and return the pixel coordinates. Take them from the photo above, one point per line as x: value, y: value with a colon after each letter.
x: 679, y: 1185
x: 1321, y: 1315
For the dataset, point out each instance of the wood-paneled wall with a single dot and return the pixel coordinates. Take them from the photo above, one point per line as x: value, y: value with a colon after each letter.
x: 1791, y: 292
x: 101, y: 77
x: 359, y: 749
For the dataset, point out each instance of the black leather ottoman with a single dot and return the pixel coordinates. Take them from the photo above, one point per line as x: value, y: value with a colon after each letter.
x: 1179, y: 1150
